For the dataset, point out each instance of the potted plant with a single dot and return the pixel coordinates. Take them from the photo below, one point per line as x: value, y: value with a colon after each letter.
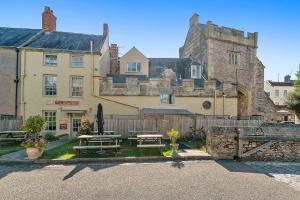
x: 34, y: 147
x: 173, y: 136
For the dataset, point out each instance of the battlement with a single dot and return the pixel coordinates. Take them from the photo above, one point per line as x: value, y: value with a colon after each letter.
x: 231, y: 35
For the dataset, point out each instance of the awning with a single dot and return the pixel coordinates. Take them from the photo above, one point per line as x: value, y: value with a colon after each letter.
x: 166, y: 111
x: 74, y: 111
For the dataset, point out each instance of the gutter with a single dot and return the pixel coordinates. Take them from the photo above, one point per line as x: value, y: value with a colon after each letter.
x: 17, y: 82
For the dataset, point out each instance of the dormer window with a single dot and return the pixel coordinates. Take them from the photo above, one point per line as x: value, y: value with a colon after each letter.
x: 50, y: 59
x: 133, y: 67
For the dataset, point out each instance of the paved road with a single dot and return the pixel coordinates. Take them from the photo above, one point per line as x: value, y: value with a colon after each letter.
x: 185, y: 180
x: 286, y: 172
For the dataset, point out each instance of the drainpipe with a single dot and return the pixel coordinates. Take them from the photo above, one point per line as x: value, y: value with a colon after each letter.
x: 17, y: 82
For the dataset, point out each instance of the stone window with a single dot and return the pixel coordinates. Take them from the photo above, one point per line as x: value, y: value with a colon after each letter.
x: 50, y: 85
x: 167, y: 98
x: 285, y: 93
x: 50, y: 59
x: 77, y: 61
x: 277, y: 93
x: 76, y: 83
x: 233, y: 58
x: 50, y: 118
x: 133, y: 67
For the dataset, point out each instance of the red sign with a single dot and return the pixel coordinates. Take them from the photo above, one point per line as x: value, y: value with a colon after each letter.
x: 66, y: 103
x: 63, y: 126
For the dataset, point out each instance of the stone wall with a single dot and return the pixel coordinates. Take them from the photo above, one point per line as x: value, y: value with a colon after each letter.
x: 268, y: 142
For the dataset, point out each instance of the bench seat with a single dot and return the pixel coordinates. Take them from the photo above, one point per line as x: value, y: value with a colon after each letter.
x: 97, y: 147
x: 150, y: 145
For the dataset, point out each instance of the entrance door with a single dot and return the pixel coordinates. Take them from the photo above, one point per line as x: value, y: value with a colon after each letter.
x: 76, y: 123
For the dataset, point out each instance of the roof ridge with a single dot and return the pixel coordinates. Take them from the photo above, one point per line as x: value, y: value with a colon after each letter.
x: 77, y: 33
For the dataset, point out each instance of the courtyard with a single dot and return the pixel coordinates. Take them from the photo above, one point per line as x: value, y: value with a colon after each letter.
x: 168, y: 180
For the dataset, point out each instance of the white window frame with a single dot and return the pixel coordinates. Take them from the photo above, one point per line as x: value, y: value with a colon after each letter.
x: 77, y: 63
x: 51, y: 120
x: 132, y: 67
x: 285, y: 93
x: 233, y: 58
x: 198, y: 71
x: 49, y: 86
x: 51, y: 63
x: 72, y: 87
x: 277, y: 93
x: 167, y: 98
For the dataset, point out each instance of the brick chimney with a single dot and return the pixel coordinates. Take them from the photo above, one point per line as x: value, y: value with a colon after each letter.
x: 48, y: 20
x: 114, y: 59
x: 287, y: 79
x: 105, y: 30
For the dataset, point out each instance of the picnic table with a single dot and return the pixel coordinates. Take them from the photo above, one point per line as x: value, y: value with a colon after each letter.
x: 150, y: 140
x: 106, y: 132
x: 98, y: 142
x: 133, y: 134
x: 14, y: 135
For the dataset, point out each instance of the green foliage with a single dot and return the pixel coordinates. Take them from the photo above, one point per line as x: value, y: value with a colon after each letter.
x: 173, y: 135
x: 40, y: 143
x: 293, y: 101
x: 86, y: 127
x: 34, y: 124
x: 50, y: 136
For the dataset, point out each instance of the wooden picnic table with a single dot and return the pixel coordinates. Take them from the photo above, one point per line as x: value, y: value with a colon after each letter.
x: 154, y: 139
x: 14, y: 135
x: 106, y: 142
x: 106, y: 132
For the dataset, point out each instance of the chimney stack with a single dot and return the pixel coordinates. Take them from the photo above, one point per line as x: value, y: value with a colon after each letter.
x: 287, y: 79
x: 105, y: 30
x: 114, y: 59
x: 194, y: 20
x: 48, y: 20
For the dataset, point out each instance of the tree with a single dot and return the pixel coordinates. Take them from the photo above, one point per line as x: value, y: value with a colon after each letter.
x: 293, y: 101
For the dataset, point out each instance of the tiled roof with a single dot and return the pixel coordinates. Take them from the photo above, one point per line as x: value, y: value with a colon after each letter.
x: 282, y: 83
x: 14, y: 37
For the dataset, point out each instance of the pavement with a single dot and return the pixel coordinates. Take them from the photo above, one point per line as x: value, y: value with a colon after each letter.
x: 214, y: 180
x: 22, y: 154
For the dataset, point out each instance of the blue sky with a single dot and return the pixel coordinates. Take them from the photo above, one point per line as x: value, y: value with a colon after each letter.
x: 158, y: 27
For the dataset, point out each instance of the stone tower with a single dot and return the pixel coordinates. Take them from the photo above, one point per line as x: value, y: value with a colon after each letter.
x: 228, y: 55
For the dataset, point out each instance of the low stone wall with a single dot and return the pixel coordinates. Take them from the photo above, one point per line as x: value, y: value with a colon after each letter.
x: 268, y: 142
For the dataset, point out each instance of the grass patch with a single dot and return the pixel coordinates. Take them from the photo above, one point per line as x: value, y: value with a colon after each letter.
x: 169, y: 153
x: 66, y: 151
x: 9, y: 147
x: 195, y: 144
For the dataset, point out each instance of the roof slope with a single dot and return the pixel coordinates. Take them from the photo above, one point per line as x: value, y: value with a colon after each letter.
x: 66, y: 41
x: 273, y: 83
x: 14, y: 37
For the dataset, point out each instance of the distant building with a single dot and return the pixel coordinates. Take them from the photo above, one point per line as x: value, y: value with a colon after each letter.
x: 278, y: 92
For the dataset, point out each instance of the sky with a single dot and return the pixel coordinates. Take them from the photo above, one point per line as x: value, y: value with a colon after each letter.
x: 159, y: 27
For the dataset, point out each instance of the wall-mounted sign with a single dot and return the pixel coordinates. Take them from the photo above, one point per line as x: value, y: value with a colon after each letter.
x: 63, y: 124
x: 206, y: 105
x: 63, y: 103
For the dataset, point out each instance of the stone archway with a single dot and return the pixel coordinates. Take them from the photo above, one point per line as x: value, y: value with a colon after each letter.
x: 243, y: 101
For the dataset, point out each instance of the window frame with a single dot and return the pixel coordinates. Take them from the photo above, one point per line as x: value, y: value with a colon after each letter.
x: 76, y: 66
x: 48, y: 122
x: 167, y: 98
x: 44, y: 85
x: 233, y: 58
x: 49, y: 64
x: 136, y: 67
x: 71, y: 86
x: 277, y: 93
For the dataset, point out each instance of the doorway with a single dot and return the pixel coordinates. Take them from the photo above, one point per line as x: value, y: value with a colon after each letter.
x: 75, y: 124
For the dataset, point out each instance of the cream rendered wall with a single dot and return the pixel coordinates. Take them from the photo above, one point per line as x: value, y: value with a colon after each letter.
x: 280, y: 100
x: 192, y: 104
x: 33, y: 101
x: 134, y: 55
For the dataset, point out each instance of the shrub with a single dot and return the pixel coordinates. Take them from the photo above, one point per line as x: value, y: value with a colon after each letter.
x: 86, y: 127
x: 50, y: 136
x: 39, y: 143
x: 173, y: 135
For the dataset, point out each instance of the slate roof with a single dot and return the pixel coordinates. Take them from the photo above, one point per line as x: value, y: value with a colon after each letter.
x: 273, y: 83
x: 166, y: 111
x: 14, y: 37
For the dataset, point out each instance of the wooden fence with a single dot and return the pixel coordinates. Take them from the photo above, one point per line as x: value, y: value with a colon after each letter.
x: 183, y: 124
x: 10, y: 124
